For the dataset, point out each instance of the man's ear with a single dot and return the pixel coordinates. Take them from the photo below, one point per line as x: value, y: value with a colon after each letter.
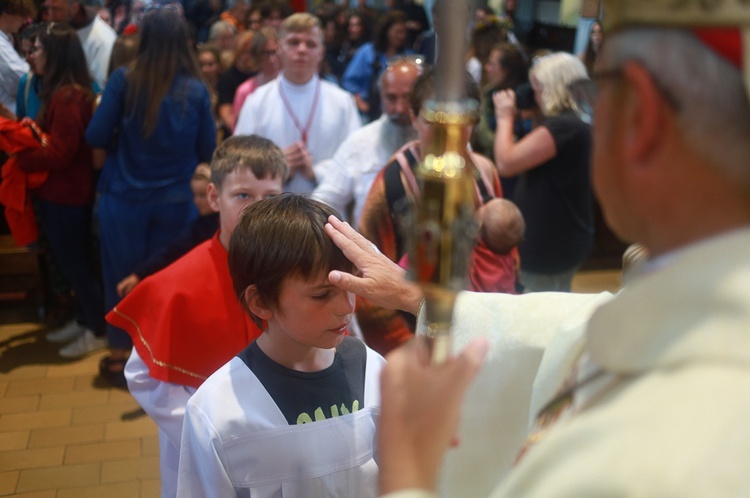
x: 255, y: 304
x: 413, y: 118
x: 212, y: 193
x: 647, y: 113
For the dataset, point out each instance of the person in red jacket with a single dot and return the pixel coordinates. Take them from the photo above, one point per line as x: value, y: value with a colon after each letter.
x: 64, y: 201
x: 185, y: 320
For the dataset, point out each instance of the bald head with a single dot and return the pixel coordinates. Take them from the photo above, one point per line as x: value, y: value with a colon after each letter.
x: 395, y: 88
x: 501, y: 225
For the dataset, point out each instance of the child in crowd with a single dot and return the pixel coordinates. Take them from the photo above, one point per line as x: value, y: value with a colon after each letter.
x: 501, y: 225
x: 185, y: 321
x: 501, y: 229
x: 294, y: 413
x: 201, y: 229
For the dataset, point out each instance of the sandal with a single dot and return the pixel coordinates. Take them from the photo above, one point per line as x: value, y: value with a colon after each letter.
x: 113, y: 371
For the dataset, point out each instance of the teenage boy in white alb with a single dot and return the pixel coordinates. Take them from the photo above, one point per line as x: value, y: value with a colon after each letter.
x: 304, y: 115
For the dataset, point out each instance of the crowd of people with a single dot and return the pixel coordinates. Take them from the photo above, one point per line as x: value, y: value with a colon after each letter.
x: 214, y: 182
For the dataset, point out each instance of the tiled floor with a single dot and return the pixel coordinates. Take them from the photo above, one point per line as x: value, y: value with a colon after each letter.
x: 64, y: 434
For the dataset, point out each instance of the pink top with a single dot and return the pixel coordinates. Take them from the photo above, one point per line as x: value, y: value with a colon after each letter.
x: 245, y: 89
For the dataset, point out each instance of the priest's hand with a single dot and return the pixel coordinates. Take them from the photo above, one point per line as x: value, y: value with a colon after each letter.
x: 419, y: 413
x: 380, y: 280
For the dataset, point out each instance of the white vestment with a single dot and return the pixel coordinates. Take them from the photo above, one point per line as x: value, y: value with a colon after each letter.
x: 264, y: 113
x: 12, y: 67
x: 97, y: 40
x: 236, y: 442
x: 354, y: 166
x: 666, y: 412
x: 165, y: 403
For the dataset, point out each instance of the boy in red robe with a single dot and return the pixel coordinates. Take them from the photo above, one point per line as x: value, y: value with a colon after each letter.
x: 185, y: 320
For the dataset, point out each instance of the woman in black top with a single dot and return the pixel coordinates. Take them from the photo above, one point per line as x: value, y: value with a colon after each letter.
x: 554, y: 189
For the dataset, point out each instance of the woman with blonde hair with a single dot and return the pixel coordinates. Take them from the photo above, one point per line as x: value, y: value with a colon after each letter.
x: 553, y: 191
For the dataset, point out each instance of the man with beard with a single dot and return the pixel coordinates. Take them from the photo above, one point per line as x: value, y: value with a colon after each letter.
x: 390, y: 198
x: 641, y: 394
x: 367, y: 150
x: 97, y: 37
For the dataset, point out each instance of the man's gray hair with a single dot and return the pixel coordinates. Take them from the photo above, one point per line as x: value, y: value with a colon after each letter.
x: 713, y: 106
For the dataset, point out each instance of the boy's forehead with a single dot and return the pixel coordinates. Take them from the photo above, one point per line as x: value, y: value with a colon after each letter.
x: 314, y: 281
x: 245, y: 173
x: 313, y: 31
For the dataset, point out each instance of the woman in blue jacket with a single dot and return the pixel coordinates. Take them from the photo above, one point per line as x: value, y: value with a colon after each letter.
x: 155, y: 121
x: 369, y: 61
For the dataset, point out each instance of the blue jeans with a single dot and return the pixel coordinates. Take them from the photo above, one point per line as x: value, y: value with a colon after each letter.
x: 68, y: 230
x: 129, y: 233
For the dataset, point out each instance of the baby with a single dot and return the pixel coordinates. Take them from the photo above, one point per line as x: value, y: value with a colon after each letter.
x: 501, y: 225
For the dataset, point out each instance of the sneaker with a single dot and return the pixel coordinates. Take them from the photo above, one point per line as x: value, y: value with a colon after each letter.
x: 70, y: 331
x: 87, y: 343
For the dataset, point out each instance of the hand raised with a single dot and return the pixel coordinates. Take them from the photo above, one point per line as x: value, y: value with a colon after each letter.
x: 381, y: 281
x: 505, y: 104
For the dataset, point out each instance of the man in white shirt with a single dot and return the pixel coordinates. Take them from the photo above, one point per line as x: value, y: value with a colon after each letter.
x: 13, y: 13
x: 304, y: 115
x: 644, y: 393
x: 97, y: 37
x: 363, y: 154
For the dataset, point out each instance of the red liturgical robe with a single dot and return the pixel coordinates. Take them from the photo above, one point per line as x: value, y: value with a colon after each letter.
x: 186, y: 320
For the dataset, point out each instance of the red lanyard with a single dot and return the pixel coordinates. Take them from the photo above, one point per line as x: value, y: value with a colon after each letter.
x: 302, y: 130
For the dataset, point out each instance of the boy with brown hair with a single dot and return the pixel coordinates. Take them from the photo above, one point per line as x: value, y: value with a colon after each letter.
x: 185, y: 320
x: 294, y: 413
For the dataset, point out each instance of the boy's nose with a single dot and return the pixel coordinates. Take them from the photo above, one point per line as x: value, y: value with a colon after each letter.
x: 345, y: 304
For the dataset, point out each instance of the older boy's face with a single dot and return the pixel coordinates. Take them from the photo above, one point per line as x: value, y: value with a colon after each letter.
x: 301, y: 54
x: 240, y: 189
x: 310, y: 314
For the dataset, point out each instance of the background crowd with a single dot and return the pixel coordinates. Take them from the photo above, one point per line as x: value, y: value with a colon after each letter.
x: 233, y: 331
x: 144, y: 91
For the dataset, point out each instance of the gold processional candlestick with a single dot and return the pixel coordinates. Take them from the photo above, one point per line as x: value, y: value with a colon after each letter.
x: 443, y: 226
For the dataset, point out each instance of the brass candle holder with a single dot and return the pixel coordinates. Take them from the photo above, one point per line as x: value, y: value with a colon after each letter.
x: 443, y: 223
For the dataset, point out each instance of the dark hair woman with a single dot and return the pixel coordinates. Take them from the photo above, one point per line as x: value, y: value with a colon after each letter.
x: 360, y: 77
x: 155, y: 119
x: 64, y: 201
x: 507, y: 67
x: 588, y: 56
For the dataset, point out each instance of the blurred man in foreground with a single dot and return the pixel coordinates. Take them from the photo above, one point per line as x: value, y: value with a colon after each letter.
x: 643, y: 394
